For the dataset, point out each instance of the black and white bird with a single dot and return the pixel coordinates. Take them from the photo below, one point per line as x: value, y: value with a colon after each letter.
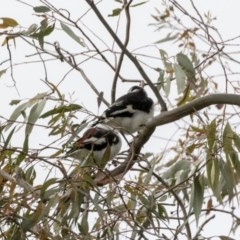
x: 100, y: 143
x: 130, y: 112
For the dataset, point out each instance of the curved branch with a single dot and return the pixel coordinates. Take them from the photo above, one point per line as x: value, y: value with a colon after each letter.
x: 193, y: 106
x: 106, y: 177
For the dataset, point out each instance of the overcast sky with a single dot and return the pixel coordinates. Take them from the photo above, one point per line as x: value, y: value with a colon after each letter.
x: 28, y: 76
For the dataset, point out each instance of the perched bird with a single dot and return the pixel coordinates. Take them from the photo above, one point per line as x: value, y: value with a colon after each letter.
x: 129, y: 112
x: 99, y: 143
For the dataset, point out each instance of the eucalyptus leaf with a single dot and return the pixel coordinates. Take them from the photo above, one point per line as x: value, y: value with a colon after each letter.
x: 180, y: 78
x: 70, y: 33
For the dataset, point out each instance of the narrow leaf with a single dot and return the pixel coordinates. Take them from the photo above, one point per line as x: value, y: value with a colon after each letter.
x: 197, y: 197
x: 211, y: 134
x: 167, y: 86
x: 17, y: 112
x: 180, y: 78
x: 186, y: 65
x: 34, y: 115
x: 9, y: 138
x: 236, y: 140
x: 138, y: 4
x: 228, y: 136
x: 61, y: 109
x: 169, y: 37
x: 70, y: 32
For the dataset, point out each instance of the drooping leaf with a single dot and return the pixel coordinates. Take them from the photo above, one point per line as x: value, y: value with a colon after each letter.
x: 234, y: 157
x: 186, y: 96
x: 41, y: 9
x: 41, y: 32
x: 31, y: 30
x: 167, y: 85
x: 34, y: 115
x: 8, y: 22
x: 32, y: 219
x: 70, y: 33
x: 211, y: 134
x: 9, y: 137
x: 236, y: 140
x: 160, y: 81
x: 228, y: 176
x: 186, y: 65
x: 180, y: 78
x: 228, y: 136
x: 197, y: 194
x: 21, y: 108
x: 168, y: 65
x: 17, y: 112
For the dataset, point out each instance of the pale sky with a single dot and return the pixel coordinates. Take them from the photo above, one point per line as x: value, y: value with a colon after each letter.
x: 28, y: 76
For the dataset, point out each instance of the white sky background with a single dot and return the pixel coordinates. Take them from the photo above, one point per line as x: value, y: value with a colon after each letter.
x: 27, y: 77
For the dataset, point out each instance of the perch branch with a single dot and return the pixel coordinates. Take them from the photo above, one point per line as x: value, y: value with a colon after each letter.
x: 106, y: 177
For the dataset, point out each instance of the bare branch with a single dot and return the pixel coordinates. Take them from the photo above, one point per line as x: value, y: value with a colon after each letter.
x: 130, y: 56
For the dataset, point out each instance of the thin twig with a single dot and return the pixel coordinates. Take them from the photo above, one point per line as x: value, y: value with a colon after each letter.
x: 114, y: 85
x: 129, y: 55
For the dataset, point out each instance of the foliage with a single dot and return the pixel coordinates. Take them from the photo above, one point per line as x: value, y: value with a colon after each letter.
x: 143, y: 195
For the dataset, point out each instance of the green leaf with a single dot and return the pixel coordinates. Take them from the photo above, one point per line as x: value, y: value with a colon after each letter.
x: 186, y: 65
x: 8, y: 22
x: 41, y: 9
x: 235, y: 162
x: 115, y: 12
x: 9, y: 138
x: 21, y: 108
x: 34, y: 115
x: 236, y: 140
x: 70, y: 33
x: 14, y: 102
x: 180, y: 78
x: 32, y: 219
x: 225, y: 238
x: 228, y: 136
x: 167, y: 85
x: 160, y: 81
x: 138, y: 4
x: 197, y: 194
x: 62, y: 110
x: 167, y: 38
x: 228, y: 176
x: 168, y: 65
x: 211, y: 134
x: 162, y: 213
x: 186, y: 96
x: 17, y: 112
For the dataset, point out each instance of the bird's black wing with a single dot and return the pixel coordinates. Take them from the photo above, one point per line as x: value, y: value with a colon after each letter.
x: 126, y: 105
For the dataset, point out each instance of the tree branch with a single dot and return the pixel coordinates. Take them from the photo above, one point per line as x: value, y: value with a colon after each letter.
x: 106, y: 177
x: 128, y: 54
x: 193, y: 106
x: 114, y: 85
